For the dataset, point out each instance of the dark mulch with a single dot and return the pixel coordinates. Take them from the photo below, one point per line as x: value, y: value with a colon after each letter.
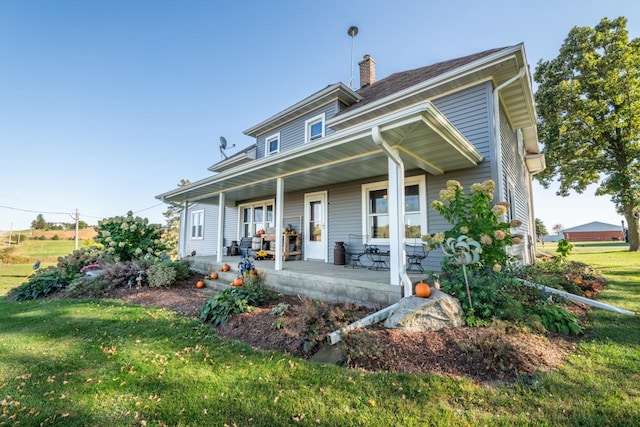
x: 487, y: 355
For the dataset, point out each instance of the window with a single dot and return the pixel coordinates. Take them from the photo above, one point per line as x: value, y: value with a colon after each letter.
x: 197, y: 224
x: 314, y: 128
x: 376, y: 209
x: 511, y: 200
x: 256, y: 216
x: 272, y: 145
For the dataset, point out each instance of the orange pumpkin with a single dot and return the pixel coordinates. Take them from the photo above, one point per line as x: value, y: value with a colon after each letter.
x: 200, y: 284
x: 226, y: 267
x: 213, y: 276
x: 237, y: 281
x: 423, y: 290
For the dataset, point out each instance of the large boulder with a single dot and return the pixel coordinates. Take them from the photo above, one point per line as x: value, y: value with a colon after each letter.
x: 417, y: 314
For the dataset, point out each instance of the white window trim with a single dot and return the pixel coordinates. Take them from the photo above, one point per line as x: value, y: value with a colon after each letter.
x: 192, y: 232
x: 419, y: 180
x: 267, y: 140
x: 259, y: 203
x: 307, y: 127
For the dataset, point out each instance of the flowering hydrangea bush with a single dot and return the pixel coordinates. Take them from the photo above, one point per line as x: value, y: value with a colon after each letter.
x: 128, y: 237
x: 473, y: 214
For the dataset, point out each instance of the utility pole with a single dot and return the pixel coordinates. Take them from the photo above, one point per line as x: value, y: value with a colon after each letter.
x: 10, y: 234
x: 77, y: 220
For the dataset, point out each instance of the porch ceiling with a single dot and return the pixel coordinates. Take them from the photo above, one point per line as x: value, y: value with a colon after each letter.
x: 423, y: 136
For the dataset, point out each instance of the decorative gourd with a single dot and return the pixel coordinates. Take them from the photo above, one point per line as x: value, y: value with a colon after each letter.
x: 237, y: 281
x: 423, y: 290
x: 213, y: 276
x: 226, y: 267
x: 200, y: 284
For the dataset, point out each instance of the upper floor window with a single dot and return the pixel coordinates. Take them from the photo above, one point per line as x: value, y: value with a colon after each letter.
x: 272, y: 144
x: 197, y: 224
x: 314, y: 128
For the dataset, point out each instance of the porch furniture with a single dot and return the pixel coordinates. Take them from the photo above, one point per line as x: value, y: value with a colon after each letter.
x: 415, y: 255
x: 291, y: 245
x: 245, y: 246
x: 378, y: 258
x: 355, y: 249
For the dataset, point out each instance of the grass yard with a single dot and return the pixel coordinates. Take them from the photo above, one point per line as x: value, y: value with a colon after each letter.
x: 45, y: 250
x: 103, y: 362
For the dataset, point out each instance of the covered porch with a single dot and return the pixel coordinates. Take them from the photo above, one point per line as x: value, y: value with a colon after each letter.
x: 416, y: 137
x: 315, y: 279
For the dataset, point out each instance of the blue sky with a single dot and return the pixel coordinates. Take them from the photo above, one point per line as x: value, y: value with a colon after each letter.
x: 105, y: 104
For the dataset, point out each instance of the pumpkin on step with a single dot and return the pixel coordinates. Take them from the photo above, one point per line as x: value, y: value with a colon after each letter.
x: 200, y: 284
x: 423, y: 290
x: 237, y: 281
x: 213, y: 276
x: 226, y: 267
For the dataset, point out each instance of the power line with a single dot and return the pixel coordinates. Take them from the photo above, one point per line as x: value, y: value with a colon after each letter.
x: 72, y: 214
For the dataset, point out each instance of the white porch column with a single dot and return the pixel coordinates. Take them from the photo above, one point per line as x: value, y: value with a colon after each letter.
x: 398, y: 257
x: 396, y: 220
x: 220, y: 244
x: 182, y: 249
x: 279, y: 217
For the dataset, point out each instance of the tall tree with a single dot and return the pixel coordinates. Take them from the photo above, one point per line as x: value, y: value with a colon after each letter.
x: 171, y: 234
x: 541, y: 229
x: 558, y: 228
x: 588, y: 102
x: 39, y: 223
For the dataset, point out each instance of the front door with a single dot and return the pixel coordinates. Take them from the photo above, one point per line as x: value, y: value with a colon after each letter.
x: 315, y: 229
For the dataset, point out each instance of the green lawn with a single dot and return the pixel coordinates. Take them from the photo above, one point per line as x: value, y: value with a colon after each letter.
x: 104, y: 362
x: 45, y: 249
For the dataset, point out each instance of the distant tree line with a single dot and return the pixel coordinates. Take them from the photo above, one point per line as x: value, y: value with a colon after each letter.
x: 41, y: 224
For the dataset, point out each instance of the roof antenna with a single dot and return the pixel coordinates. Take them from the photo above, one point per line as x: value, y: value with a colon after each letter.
x: 352, y: 31
x: 223, y: 146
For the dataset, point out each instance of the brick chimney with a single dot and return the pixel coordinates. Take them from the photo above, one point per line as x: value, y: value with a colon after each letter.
x: 367, y: 71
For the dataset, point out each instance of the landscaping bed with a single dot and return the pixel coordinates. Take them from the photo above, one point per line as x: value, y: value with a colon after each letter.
x: 484, y: 354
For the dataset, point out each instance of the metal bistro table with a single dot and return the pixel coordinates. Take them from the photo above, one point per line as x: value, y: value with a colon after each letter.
x: 379, y: 259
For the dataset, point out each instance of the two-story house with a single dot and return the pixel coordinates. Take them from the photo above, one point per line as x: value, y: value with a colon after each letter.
x: 370, y: 162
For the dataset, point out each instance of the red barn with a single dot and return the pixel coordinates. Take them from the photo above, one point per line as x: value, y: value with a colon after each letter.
x: 594, y: 232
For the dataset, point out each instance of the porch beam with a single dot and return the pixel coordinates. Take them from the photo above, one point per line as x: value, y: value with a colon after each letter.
x: 279, y: 219
x: 220, y: 243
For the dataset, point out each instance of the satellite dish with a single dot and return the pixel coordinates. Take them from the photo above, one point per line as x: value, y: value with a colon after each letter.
x: 223, y: 146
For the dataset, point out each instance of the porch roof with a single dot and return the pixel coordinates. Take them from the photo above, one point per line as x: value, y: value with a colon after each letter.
x: 422, y: 134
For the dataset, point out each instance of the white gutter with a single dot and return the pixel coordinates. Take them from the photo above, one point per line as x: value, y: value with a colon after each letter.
x: 578, y: 298
x: 396, y: 249
x: 499, y: 179
x: 377, y: 317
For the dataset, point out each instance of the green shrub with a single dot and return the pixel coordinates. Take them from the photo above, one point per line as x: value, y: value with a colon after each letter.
x: 233, y: 300
x: 39, y: 285
x: 55, y: 237
x: 182, y: 269
x: 556, y: 319
x: 161, y: 275
x: 501, y: 296
x: 127, y: 238
x: 70, y: 265
x: 122, y: 274
x: 88, y: 287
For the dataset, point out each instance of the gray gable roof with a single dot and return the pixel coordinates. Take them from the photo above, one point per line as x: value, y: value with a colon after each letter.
x: 405, y: 79
x: 594, y: 226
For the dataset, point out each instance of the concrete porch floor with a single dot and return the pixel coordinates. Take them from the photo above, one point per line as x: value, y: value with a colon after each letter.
x: 317, y: 279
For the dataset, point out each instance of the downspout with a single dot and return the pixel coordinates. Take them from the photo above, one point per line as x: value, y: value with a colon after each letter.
x: 496, y: 130
x: 400, y: 252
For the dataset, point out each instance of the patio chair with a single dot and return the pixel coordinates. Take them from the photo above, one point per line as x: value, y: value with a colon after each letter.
x: 245, y: 247
x: 355, y: 249
x: 415, y: 255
